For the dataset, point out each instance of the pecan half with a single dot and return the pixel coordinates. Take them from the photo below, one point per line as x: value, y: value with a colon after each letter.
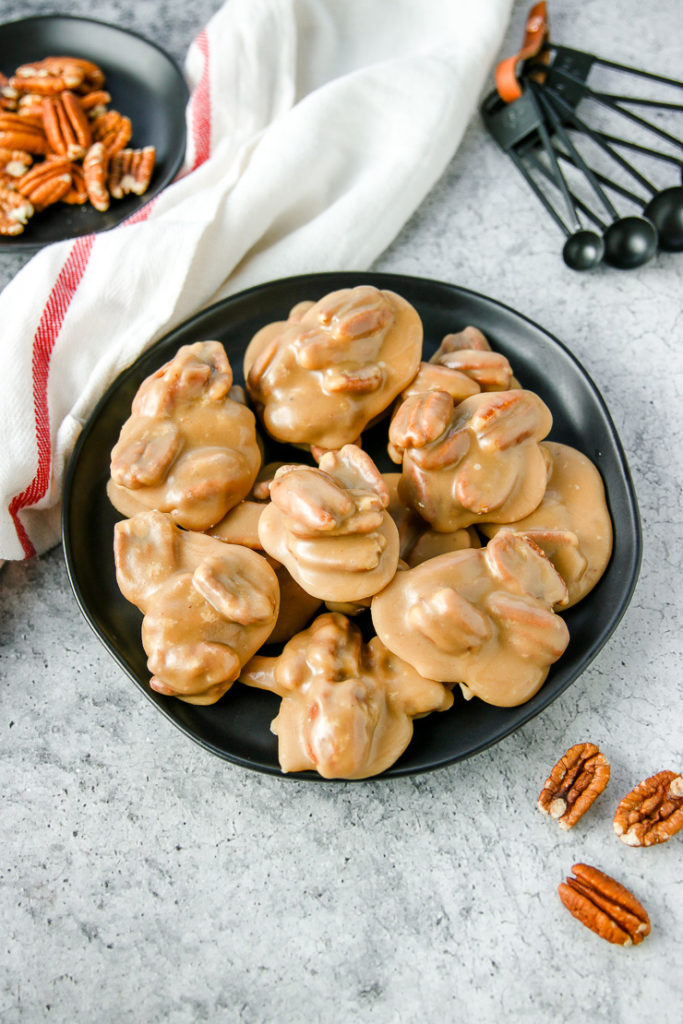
x: 418, y: 421
x: 350, y: 327
x: 317, y: 450
x: 66, y: 125
x: 359, y: 380
x: 17, y: 132
x: 652, y: 812
x: 575, y: 782
x: 130, y: 170
x: 469, y: 338
x: 30, y: 106
x: 605, y: 906
x: 49, y: 76
x: 491, y: 370
x: 508, y: 418
x: 232, y: 590
x: 311, y: 499
x: 450, y: 621
x: 434, y: 377
x: 15, y: 210
x: 93, y: 75
x: 95, y: 103
x: 77, y: 194
x: 14, y: 162
x: 95, y: 167
x: 113, y: 130
x: 47, y: 182
x: 8, y: 95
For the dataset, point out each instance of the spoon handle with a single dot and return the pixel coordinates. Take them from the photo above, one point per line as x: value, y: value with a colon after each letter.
x: 556, y: 170
x: 578, y: 203
x: 628, y: 144
x: 581, y: 163
x: 537, y: 190
x: 637, y: 71
x: 580, y: 62
x: 587, y: 93
x: 581, y: 125
x: 609, y: 183
x: 638, y: 101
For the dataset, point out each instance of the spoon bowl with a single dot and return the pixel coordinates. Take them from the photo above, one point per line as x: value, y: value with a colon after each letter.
x: 665, y: 210
x: 583, y: 250
x: 630, y: 242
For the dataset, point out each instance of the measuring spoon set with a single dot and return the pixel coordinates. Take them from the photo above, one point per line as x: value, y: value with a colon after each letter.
x: 552, y: 124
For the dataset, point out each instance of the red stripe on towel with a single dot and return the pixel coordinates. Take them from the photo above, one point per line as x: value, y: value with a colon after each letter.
x: 44, y: 340
x: 200, y: 106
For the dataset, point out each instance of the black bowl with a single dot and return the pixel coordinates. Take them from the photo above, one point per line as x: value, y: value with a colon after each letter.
x: 145, y: 84
x: 237, y: 728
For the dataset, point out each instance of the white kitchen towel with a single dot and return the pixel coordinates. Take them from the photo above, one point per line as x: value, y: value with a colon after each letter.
x: 315, y: 128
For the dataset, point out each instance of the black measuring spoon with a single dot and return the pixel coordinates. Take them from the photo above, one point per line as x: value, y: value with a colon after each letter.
x: 583, y: 249
x: 629, y: 241
x: 516, y: 125
x: 664, y: 207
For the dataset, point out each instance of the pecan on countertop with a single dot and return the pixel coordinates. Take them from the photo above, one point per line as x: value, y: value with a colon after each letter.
x: 605, y: 906
x: 652, y: 812
x: 575, y: 782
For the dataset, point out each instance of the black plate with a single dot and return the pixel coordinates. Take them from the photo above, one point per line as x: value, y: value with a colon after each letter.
x: 237, y: 728
x: 145, y: 84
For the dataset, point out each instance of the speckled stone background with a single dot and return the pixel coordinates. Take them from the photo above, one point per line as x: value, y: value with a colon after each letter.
x: 143, y: 880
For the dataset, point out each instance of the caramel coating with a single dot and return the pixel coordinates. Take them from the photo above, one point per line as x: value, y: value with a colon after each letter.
x: 240, y: 525
x: 433, y: 377
x: 572, y: 524
x: 261, y: 490
x: 347, y: 707
x: 207, y: 606
x: 408, y: 523
x: 417, y: 541
x: 479, y: 461
x: 478, y: 617
x: 321, y: 376
x: 188, y: 448
x: 469, y: 354
x: 297, y: 608
x: 431, y: 544
x: 329, y: 526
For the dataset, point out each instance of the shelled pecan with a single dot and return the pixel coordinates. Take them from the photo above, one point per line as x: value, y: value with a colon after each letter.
x: 15, y: 210
x: 46, y: 183
x: 30, y: 106
x: 57, y: 108
x: 652, y: 812
x: 8, y: 95
x: 95, y: 166
x: 13, y: 163
x: 113, y: 130
x: 605, y: 906
x: 130, y: 170
x: 93, y: 75
x: 48, y: 76
x: 469, y: 353
x: 78, y: 193
x: 575, y: 782
x: 66, y: 125
x: 17, y: 132
x: 95, y: 103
